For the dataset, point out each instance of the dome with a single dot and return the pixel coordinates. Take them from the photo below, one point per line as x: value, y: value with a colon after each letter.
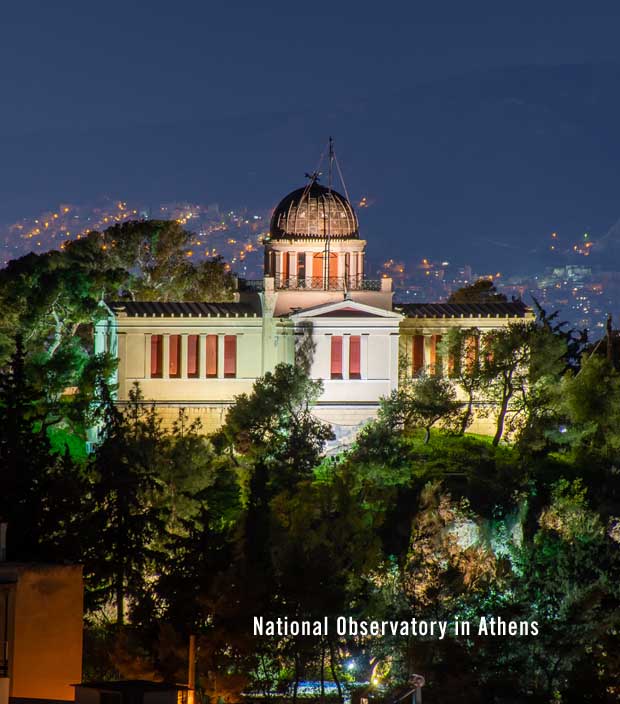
x: 314, y: 212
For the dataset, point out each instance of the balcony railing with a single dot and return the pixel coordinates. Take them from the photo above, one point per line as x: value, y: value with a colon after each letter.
x: 314, y: 283
x: 332, y: 283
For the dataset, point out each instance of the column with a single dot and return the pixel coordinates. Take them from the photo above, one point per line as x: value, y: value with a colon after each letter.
x: 445, y: 360
x: 277, y: 268
x: 346, y: 341
x: 360, y: 266
x: 341, y: 267
x: 165, y: 372
x: 147, y: 355
x: 393, y: 366
x: 364, y: 356
x: 220, y: 355
x: 428, y: 345
x: 183, y: 356
x: 101, y: 337
x: 292, y: 269
x: 202, y: 357
x: 308, y: 269
x: 353, y: 282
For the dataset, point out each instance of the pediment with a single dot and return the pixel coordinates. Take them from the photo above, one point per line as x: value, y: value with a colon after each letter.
x: 345, y: 309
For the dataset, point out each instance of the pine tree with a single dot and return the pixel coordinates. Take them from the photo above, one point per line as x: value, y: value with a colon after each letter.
x: 25, y: 459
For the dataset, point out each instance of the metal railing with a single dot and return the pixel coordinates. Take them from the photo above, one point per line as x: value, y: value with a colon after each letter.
x: 314, y: 283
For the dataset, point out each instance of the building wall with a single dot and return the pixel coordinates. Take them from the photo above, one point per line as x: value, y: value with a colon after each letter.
x: 45, y: 629
x: 378, y: 356
x: 134, y: 339
x: 263, y: 342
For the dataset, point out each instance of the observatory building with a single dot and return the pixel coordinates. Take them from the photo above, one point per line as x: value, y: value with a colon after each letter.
x: 313, y: 301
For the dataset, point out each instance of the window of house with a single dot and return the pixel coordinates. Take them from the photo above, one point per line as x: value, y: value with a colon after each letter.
x: 487, y: 348
x: 355, y: 357
x: 193, y: 356
x: 230, y: 356
x: 336, y: 357
x: 174, y: 358
x: 471, y: 353
x: 417, y: 354
x: 157, y: 356
x: 301, y: 267
x: 211, y: 356
x: 436, y: 356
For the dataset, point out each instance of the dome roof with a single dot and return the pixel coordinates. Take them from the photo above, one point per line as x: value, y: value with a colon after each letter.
x: 313, y: 212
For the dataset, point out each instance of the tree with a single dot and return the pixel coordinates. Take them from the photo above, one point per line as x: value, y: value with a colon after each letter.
x: 462, y: 348
x: 275, y: 424
x: 567, y: 581
x: 420, y: 403
x: 126, y: 491
x: 506, y: 371
x: 483, y: 291
x: 153, y: 254
x: 54, y: 299
x: 41, y: 490
x: 588, y: 412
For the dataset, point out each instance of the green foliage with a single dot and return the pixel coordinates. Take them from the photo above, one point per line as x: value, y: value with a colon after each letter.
x: 181, y: 533
x: 40, y: 489
x: 275, y: 423
x: 52, y: 300
x: 420, y: 403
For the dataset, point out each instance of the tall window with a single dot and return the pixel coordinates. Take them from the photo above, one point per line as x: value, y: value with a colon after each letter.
x: 157, y: 356
x: 471, y: 353
x: 230, y: 356
x: 211, y: 356
x: 487, y: 347
x: 301, y: 268
x: 174, y: 359
x: 417, y: 354
x: 355, y: 357
x: 193, y: 356
x: 336, y: 357
x: 286, y: 267
x: 436, y: 357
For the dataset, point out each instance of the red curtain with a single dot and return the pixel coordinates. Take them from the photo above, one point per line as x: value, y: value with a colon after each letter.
x: 418, y: 354
x: 355, y: 354
x: 437, y: 367
x: 211, y: 356
x: 174, y: 363
x: 193, y: 356
x: 230, y: 356
x: 157, y: 350
x: 336, y: 357
x: 471, y: 352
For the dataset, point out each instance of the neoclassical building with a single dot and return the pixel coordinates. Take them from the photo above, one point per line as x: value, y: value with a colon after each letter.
x: 314, y: 297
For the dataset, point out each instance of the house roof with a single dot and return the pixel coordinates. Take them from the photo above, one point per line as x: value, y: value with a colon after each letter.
x: 508, y: 309
x: 182, y: 309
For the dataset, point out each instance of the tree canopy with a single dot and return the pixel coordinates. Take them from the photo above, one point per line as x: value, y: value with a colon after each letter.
x: 482, y: 291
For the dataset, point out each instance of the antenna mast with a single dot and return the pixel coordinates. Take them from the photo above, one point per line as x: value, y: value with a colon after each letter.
x: 327, y: 253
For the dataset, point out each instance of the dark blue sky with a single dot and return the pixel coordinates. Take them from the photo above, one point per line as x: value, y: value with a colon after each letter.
x: 467, y: 123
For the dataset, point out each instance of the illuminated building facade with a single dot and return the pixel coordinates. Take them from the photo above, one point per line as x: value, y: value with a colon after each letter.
x: 314, y: 296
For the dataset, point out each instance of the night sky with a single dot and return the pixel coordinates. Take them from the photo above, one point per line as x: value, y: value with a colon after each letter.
x: 475, y: 129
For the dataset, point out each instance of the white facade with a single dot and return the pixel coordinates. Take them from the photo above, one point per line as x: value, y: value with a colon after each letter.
x: 200, y: 356
x: 181, y: 378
